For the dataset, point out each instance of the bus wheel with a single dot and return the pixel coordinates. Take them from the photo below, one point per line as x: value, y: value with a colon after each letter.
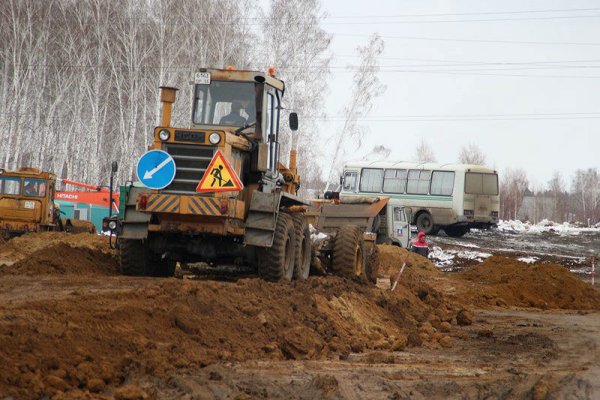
x: 456, y: 231
x: 425, y: 223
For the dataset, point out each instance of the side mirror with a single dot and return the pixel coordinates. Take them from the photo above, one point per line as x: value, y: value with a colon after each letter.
x: 114, y: 166
x: 293, y: 121
x: 341, y: 179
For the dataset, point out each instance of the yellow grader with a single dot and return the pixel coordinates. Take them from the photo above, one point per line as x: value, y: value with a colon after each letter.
x: 27, y: 204
x: 230, y: 202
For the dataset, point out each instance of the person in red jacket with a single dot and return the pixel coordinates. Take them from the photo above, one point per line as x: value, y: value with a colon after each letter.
x: 420, y: 245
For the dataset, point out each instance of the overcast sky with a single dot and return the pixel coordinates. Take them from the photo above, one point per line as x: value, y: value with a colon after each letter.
x: 533, y: 105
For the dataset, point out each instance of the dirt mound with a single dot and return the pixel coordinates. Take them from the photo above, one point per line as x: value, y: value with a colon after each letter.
x: 505, y: 281
x: 62, y: 253
x: 92, y: 340
x: 391, y: 258
x: 61, y: 258
x: 21, y: 246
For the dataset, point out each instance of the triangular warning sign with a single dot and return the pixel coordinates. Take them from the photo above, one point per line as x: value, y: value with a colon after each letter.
x: 219, y: 177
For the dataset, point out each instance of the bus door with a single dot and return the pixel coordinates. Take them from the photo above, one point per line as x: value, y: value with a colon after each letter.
x: 400, y: 227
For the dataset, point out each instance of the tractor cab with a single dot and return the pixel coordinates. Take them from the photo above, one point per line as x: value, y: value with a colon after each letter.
x: 26, y: 201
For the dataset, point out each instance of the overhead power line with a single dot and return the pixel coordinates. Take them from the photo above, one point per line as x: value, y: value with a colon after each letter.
x: 467, y: 13
x: 385, y: 37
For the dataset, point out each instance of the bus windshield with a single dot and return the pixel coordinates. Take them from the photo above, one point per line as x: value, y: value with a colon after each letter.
x: 480, y: 183
x: 225, y: 103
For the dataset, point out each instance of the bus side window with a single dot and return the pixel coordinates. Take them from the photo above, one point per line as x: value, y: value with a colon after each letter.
x: 394, y: 181
x: 371, y: 180
x: 442, y: 183
x: 349, y: 182
x: 418, y: 181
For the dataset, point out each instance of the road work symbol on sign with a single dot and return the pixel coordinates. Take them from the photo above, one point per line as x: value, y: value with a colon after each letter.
x: 156, y: 169
x: 219, y: 177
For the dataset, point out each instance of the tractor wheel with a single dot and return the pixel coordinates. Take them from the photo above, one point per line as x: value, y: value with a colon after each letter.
x: 133, y: 257
x: 425, y: 223
x: 303, y: 254
x: 277, y: 262
x: 348, y: 252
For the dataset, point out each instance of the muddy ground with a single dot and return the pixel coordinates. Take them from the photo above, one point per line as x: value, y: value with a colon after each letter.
x: 572, y: 250
x: 71, y: 327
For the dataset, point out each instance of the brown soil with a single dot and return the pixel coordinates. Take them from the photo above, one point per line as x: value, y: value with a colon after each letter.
x: 58, y: 253
x: 502, y: 281
x: 22, y: 246
x: 78, y: 332
x: 69, y: 344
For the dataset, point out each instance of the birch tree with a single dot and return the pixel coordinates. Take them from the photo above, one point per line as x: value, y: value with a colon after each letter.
x: 424, y: 152
x: 366, y: 88
x: 471, y: 154
x: 297, y: 46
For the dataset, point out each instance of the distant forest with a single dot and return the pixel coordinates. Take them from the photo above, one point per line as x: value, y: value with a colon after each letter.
x: 79, y: 79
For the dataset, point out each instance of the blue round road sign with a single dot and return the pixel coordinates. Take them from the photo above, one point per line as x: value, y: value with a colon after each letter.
x: 156, y: 169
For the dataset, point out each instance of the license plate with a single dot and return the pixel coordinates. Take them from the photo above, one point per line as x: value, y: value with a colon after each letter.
x: 202, y: 78
x: 29, y: 204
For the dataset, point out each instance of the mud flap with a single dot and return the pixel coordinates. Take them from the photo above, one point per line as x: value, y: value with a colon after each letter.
x: 262, y: 217
x: 135, y: 223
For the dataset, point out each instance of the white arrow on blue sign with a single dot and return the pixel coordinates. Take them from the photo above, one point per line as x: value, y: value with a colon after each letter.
x: 156, y: 169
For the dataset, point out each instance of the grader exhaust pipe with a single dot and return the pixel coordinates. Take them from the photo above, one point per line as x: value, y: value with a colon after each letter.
x: 167, y: 98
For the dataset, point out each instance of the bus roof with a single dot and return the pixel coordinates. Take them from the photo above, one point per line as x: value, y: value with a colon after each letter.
x: 417, y: 165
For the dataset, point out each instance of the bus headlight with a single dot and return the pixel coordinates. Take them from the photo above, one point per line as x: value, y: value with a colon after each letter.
x: 112, y: 225
x: 164, y: 135
x: 214, y: 138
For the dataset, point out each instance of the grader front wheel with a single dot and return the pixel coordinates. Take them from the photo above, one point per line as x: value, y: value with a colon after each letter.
x: 303, y: 248
x: 277, y: 262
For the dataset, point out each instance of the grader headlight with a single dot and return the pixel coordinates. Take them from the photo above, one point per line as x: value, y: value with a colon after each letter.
x: 164, y: 135
x: 214, y: 138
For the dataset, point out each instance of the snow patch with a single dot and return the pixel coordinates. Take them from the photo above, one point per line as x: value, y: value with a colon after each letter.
x: 445, y: 258
x: 528, y: 260
x: 544, y: 226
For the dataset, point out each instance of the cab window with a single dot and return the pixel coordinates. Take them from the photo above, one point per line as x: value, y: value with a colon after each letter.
x: 34, y: 187
x: 399, y: 215
x: 225, y: 103
x: 10, y: 186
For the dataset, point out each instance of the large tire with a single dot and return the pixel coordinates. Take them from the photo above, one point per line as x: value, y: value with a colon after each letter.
x: 456, y: 231
x: 277, y: 262
x: 425, y: 223
x: 303, y: 253
x: 133, y: 257
x: 348, y: 252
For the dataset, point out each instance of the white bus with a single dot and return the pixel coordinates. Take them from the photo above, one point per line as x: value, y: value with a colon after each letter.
x: 452, y: 197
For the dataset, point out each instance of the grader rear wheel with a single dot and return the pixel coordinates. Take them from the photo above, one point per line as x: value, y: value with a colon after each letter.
x: 277, y: 262
x: 348, y: 252
x: 303, y: 251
